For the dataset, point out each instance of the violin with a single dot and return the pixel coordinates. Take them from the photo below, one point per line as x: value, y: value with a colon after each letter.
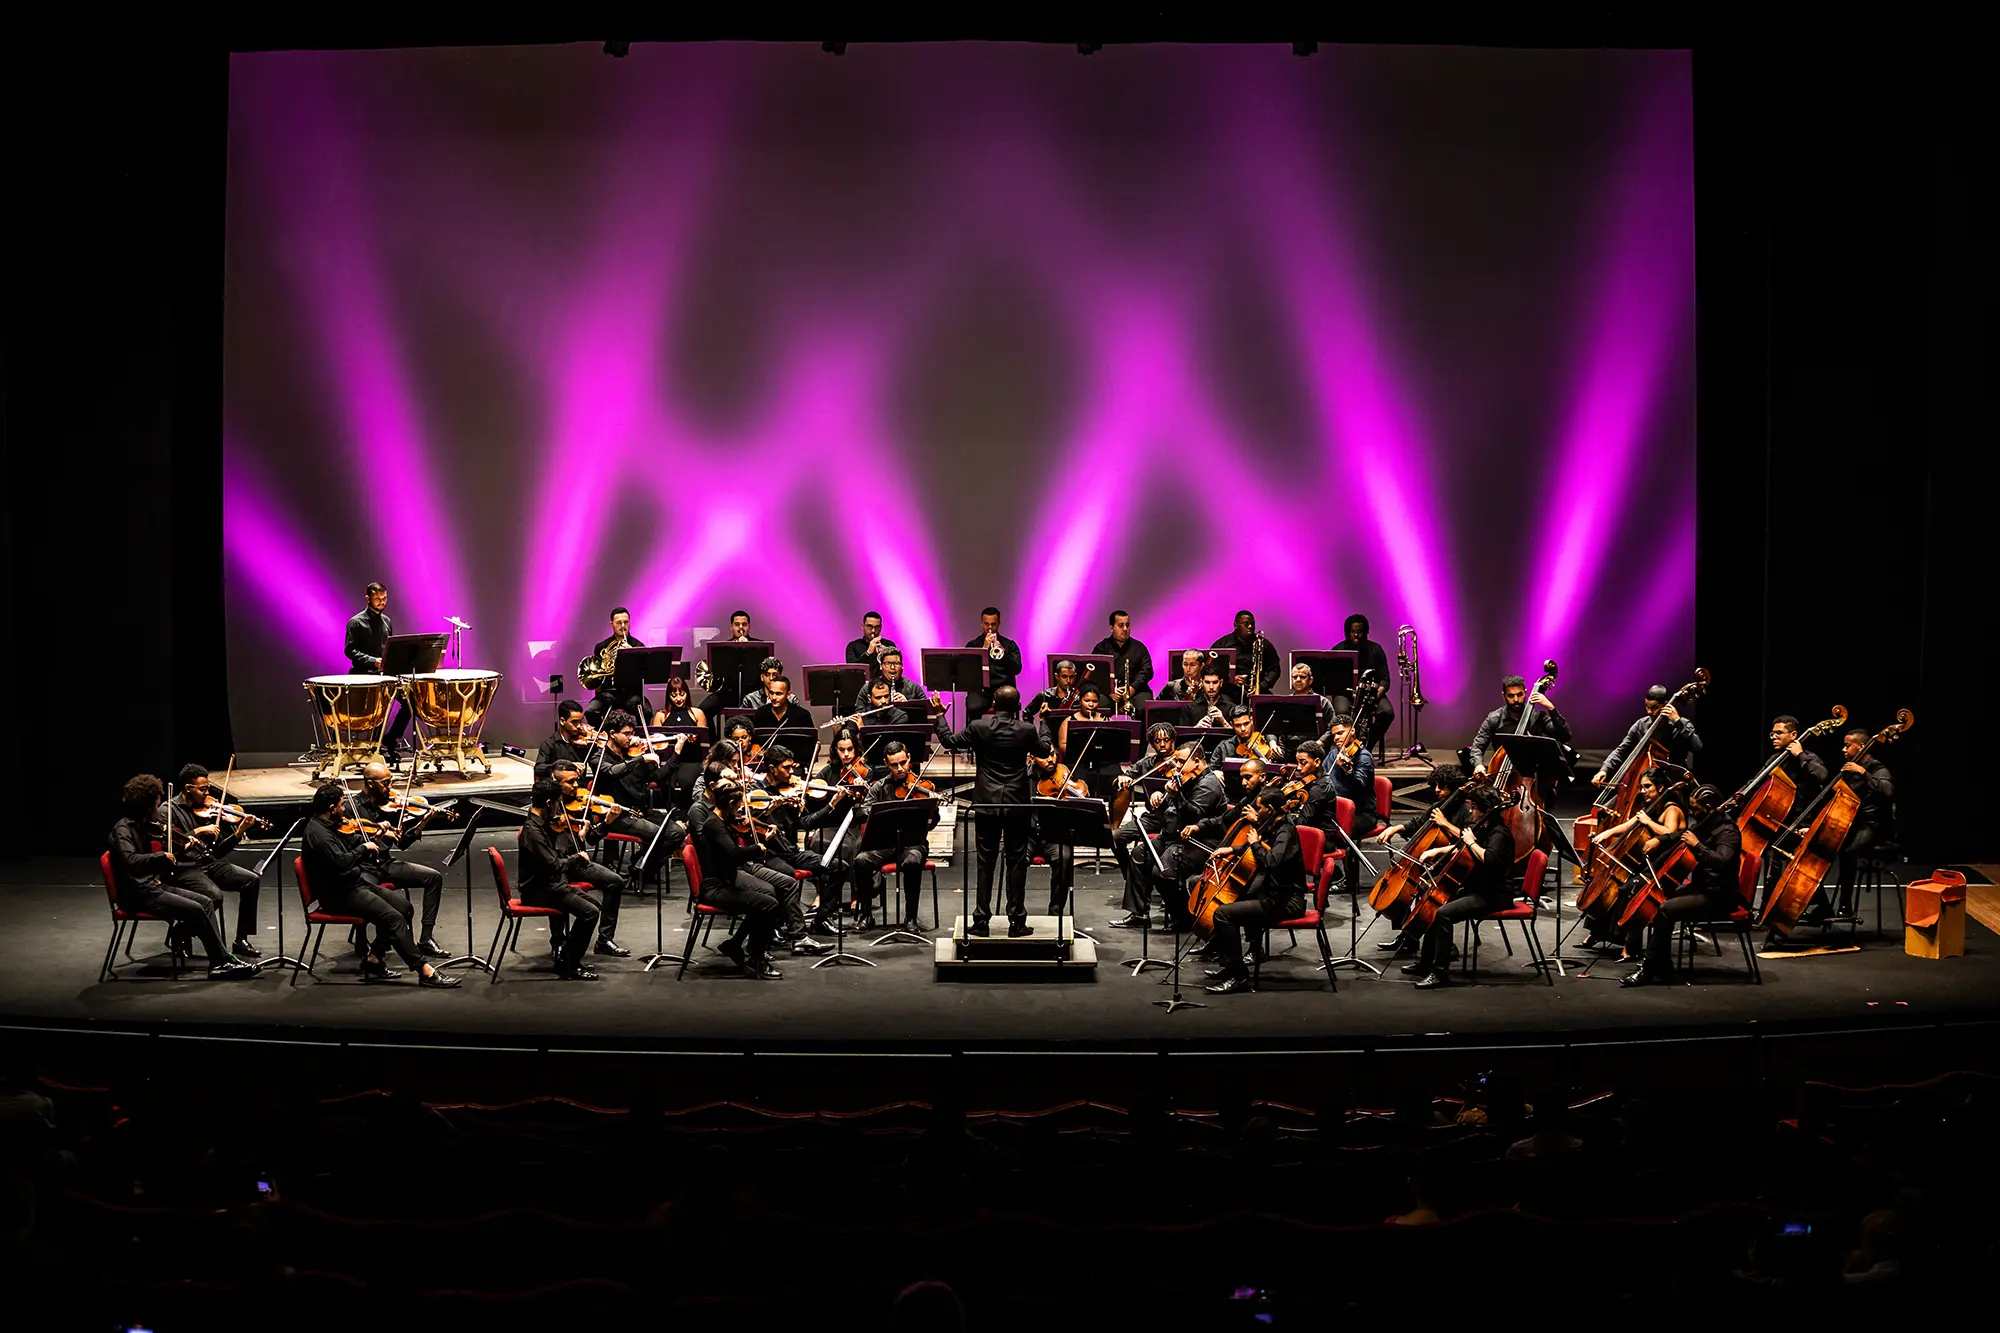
x: 1255, y: 746
x: 233, y: 814
x: 914, y: 785
x: 589, y: 805
x: 1056, y: 782
x: 764, y: 798
x: 749, y: 826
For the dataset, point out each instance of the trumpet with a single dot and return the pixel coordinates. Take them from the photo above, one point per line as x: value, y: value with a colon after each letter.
x: 993, y: 648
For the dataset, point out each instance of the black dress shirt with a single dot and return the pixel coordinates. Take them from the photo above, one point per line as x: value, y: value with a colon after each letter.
x: 1877, y: 791
x: 766, y: 720
x: 1490, y: 878
x: 555, y: 750
x: 1678, y: 736
x: 1204, y: 798
x: 1505, y: 718
x: 196, y: 853
x: 1196, y: 710
x: 1246, y: 656
x: 628, y: 781
x: 545, y: 857
x: 1007, y: 669
x: 857, y: 650
x: 1319, y: 810
x: 1806, y: 770
x: 1716, y: 857
x: 1358, y: 787
x: 1133, y: 657
x: 135, y: 866
x: 716, y: 848
x: 334, y: 860
x: 1001, y: 742
x: 367, y: 639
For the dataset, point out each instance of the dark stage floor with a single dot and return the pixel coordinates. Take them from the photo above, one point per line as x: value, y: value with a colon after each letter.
x: 53, y: 915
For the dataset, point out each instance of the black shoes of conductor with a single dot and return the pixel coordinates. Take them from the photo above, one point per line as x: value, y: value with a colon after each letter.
x: 978, y: 928
x: 1019, y: 930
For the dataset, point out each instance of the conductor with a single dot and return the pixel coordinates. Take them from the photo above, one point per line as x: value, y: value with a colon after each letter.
x: 1001, y: 743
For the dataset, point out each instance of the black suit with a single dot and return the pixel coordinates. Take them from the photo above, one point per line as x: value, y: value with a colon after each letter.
x: 1002, y: 670
x: 367, y: 640
x: 1001, y: 743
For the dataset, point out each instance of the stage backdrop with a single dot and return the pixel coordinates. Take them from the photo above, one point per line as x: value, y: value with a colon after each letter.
x: 524, y: 333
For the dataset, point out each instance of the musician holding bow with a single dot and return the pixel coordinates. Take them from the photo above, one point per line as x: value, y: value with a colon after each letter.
x: 574, y: 741
x: 202, y: 866
x: 1714, y: 891
x: 1275, y: 892
x: 141, y: 877
x: 1142, y: 821
x: 1677, y: 733
x: 1485, y: 889
x: 337, y: 856
x: 377, y: 803
x: 1543, y: 720
x: 898, y: 781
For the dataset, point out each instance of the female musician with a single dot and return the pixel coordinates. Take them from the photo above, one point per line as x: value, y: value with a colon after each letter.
x: 141, y: 876
x: 1097, y: 773
x: 1485, y: 888
x: 1275, y: 892
x: 1714, y: 890
x: 1447, y: 782
x: 1660, y: 814
x: 686, y: 763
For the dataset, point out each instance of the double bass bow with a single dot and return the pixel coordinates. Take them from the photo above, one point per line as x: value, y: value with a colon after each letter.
x: 1397, y: 887
x: 1826, y: 823
x: 1441, y: 880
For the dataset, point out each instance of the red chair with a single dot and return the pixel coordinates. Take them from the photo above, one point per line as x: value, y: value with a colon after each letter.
x: 124, y: 924
x: 1522, y: 910
x: 320, y: 919
x: 512, y: 913
x: 1312, y: 843
x: 704, y: 913
x: 1385, y: 797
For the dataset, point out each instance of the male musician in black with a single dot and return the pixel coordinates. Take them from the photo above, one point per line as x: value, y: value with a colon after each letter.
x: 628, y: 774
x: 1211, y: 707
x: 1242, y: 725
x: 606, y: 696
x: 1254, y: 654
x: 1714, y: 890
x: 779, y: 711
x: 783, y: 853
x: 871, y: 646
x: 1446, y: 780
x: 1002, y: 744
x: 140, y: 877
x: 1198, y: 794
x: 1141, y: 821
x: 1353, y: 775
x: 767, y: 671
x: 1301, y: 680
x: 378, y: 792
x: 202, y: 867
x: 1187, y: 687
x: 894, y: 774
x: 551, y: 857
x: 1131, y: 681
x: 1212, y: 830
x: 1486, y: 889
x: 367, y: 640
x: 608, y: 882
x: 734, y: 878
x: 1544, y: 720
x: 1806, y: 769
x: 1276, y: 892
x: 723, y: 693
x: 1874, y: 821
x: 1003, y: 663
x: 900, y: 686
x: 876, y: 710
x: 1061, y: 692
x: 566, y: 744
x: 337, y: 865
x: 1675, y: 732
x: 1321, y: 809
x: 1368, y: 656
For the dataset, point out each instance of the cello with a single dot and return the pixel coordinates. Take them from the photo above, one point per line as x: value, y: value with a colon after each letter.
x: 1620, y: 796
x: 1764, y: 803
x: 1230, y: 867
x: 1442, y: 880
x: 1625, y: 863
x: 1397, y: 888
x: 1826, y: 823
x: 1524, y: 815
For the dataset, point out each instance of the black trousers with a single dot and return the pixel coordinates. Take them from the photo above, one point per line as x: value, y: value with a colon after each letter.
x: 209, y: 882
x: 1136, y: 863
x: 1014, y: 829
x: 782, y: 862
x: 610, y: 886
x: 1436, y: 951
x: 1062, y: 872
x: 422, y: 883
x: 752, y: 897
x: 909, y: 863
x: 644, y: 830
x: 387, y: 912
x: 182, y: 911
x: 569, y: 934
x: 1848, y: 863
x: 1248, y: 914
x: 398, y: 725
x: 1184, y: 862
x: 1686, y: 906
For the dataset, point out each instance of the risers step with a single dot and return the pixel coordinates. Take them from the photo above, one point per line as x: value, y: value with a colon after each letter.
x: 1045, y: 950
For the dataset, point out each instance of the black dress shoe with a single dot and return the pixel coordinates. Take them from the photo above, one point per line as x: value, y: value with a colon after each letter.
x: 867, y: 921
x: 1413, y: 969
x: 577, y: 973
x: 1131, y: 921
x: 430, y: 948
x: 233, y: 970
x: 1230, y: 985
x: 373, y: 969
x: 1434, y: 981
x: 913, y: 925
x: 1218, y: 973
x: 824, y: 928
x: 1019, y: 930
x: 762, y: 970
x: 978, y: 928
x: 732, y: 949
x: 437, y: 980
x: 1643, y: 976
x: 245, y: 949
x: 805, y: 947
x: 612, y: 949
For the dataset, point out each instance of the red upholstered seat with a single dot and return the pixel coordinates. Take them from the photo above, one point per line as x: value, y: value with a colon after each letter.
x: 313, y: 918
x: 123, y: 924
x: 1312, y: 850
x: 1521, y: 910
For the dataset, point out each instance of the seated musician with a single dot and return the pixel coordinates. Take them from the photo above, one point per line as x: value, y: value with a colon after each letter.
x: 1236, y: 745
x: 1141, y: 821
x: 1713, y: 891
x: 1353, y: 772
x: 1211, y: 707
x: 1060, y: 694
x: 782, y: 793
x: 1318, y: 810
x: 1487, y: 888
x: 685, y: 761
x: 1447, y: 781
x: 1323, y: 709
x: 202, y: 868
x: 780, y: 711
x: 590, y: 831
x: 767, y: 671
x: 627, y: 775
x: 1209, y: 833
x: 1276, y: 892
x: 749, y: 755
x: 1806, y: 769
x: 723, y: 693
x: 574, y: 741
x: 843, y: 770
x: 896, y: 772
x: 1368, y: 656
x: 1188, y: 687
x: 734, y: 878
x: 1101, y: 764
x: 1131, y: 667
x: 901, y: 687
x: 336, y: 868
x: 551, y: 856
x: 142, y: 877
x: 871, y: 646
x: 878, y: 710
x: 725, y: 759
x: 607, y: 697
x: 1543, y: 721
x: 1874, y: 823
x: 1659, y: 813
x: 1675, y: 732
x: 367, y: 640
x: 377, y: 803
x: 1195, y: 793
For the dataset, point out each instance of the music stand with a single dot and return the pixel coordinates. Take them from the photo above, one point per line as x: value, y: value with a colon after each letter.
x: 413, y: 654
x: 637, y: 668
x: 801, y: 741
x: 868, y: 739
x: 1174, y: 1001
x: 733, y: 659
x: 1071, y: 822
x: 1163, y: 710
x: 281, y: 958
x: 840, y: 954
x: 835, y: 685
x: 1094, y: 668
x: 893, y: 825
x: 1287, y: 715
x: 953, y: 671
x: 1334, y: 669
x: 1117, y: 740
x: 462, y: 850
x: 659, y: 954
x: 1205, y: 737
x: 1227, y: 656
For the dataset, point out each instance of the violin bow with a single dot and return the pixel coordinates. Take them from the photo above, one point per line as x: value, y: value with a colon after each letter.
x: 403, y: 810
x: 226, y: 774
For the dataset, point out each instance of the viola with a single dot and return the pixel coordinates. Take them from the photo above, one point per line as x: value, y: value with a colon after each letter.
x: 913, y: 785
x: 764, y: 799
x: 1255, y: 746
x: 1058, y: 784
x: 1826, y: 822
x: 1121, y: 800
x: 232, y: 814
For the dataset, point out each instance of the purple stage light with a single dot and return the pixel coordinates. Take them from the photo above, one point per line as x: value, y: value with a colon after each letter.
x: 266, y: 553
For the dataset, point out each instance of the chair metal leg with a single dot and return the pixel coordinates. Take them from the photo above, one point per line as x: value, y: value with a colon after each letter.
x: 493, y: 951
x: 104, y: 971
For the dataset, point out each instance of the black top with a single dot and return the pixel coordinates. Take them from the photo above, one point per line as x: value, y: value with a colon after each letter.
x: 879, y: 794
x: 367, y: 639
x: 556, y: 750
x: 857, y: 650
x: 1716, y: 857
x: 1281, y: 865
x: 1197, y: 709
x: 334, y: 860
x: 1135, y: 656
x: 887, y: 717
x: 135, y: 867
x: 1877, y: 791
x: 1678, y: 736
x: 765, y: 720
x: 1007, y: 669
x: 1368, y: 656
x: 1052, y: 697
x: 682, y: 716
x: 1506, y: 717
x: 1203, y: 799
x: 1358, y: 787
x: 1450, y: 804
x: 628, y: 781
x: 1319, y: 810
x: 1806, y: 770
x: 372, y: 811
x: 545, y: 857
x: 196, y: 853
x: 1246, y: 653
x: 1491, y: 878
x: 716, y: 848
x: 1001, y: 742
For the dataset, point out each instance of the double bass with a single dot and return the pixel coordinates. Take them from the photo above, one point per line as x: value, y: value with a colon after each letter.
x: 1764, y: 803
x: 1620, y: 796
x: 1826, y: 823
x: 1524, y: 814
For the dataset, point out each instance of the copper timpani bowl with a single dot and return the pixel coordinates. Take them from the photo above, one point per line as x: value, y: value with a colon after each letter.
x: 352, y: 703
x: 453, y: 699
